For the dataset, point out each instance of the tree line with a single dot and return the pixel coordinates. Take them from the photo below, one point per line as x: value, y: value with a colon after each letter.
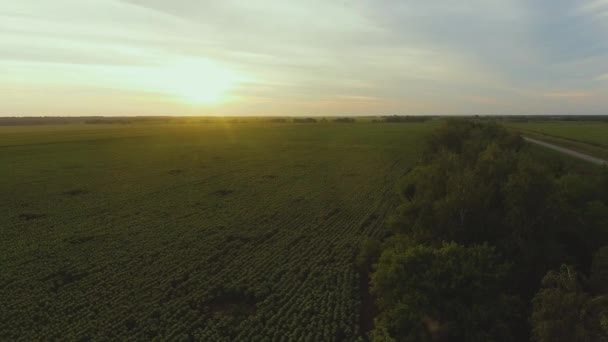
x: 492, y: 244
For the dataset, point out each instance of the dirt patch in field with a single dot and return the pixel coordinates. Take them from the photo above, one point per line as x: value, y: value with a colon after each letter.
x: 331, y: 213
x: 267, y: 236
x: 368, y: 308
x: 222, y: 192
x: 297, y: 240
x: 72, y: 167
x: 76, y: 192
x: 234, y: 304
x: 131, y: 324
x: 32, y: 216
x: 64, y: 277
x: 81, y: 239
x: 369, y: 220
x: 237, y: 237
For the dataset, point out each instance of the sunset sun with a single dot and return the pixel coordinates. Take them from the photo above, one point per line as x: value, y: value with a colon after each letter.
x: 197, y: 82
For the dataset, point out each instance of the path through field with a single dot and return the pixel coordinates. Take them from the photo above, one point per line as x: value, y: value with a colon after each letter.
x: 569, y: 152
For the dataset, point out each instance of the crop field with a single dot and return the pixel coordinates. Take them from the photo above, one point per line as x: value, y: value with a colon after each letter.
x: 590, y: 132
x: 586, y: 136
x: 209, y: 231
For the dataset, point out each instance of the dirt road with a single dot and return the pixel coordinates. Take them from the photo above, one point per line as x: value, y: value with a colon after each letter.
x: 568, y: 151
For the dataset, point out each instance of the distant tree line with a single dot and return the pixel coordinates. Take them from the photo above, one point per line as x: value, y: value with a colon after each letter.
x: 344, y: 120
x: 64, y: 120
x: 314, y: 120
x: 107, y: 121
x: 277, y: 120
x: 528, y: 118
x: 490, y: 244
x: 16, y: 121
x: 304, y: 120
x: 399, y: 118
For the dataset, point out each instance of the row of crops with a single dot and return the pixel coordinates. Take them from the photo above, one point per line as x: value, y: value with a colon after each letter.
x: 195, y: 233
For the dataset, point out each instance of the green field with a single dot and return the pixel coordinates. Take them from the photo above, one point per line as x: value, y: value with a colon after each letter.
x: 194, y: 231
x: 585, y: 136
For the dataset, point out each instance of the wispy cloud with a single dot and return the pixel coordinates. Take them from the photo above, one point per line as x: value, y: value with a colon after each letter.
x: 603, y: 77
x: 298, y: 57
x: 568, y: 94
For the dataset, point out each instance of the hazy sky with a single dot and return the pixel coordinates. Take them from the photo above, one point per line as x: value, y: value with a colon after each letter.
x: 304, y: 57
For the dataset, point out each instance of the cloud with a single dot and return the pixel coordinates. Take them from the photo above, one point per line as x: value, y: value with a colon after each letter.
x: 603, y: 77
x: 568, y: 95
x: 364, y: 56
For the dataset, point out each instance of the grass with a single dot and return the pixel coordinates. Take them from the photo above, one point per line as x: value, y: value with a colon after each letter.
x: 583, y: 136
x: 562, y: 163
x: 193, y: 231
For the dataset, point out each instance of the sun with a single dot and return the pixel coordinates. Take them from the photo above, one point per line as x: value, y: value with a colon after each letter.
x: 197, y: 81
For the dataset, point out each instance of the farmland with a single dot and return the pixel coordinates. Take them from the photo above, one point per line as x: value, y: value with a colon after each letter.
x: 585, y: 136
x: 210, y: 231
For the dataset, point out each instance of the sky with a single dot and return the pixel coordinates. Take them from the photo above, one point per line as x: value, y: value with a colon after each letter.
x: 303, y: 57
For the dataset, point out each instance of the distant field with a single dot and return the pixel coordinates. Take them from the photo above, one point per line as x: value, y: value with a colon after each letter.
x: 586, y: 136
x: 206, y: 231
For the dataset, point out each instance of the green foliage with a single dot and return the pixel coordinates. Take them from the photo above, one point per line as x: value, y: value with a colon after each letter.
x: 468, y: 139
x: 562, y: 311
x: 599, y: 272
x: 368, y: 253
x: 479, y: 184
x: 449, y: 293
x: 456, y: 194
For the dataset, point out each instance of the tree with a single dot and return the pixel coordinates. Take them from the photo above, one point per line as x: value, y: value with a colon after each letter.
x: 478, y: 184
x: 599, y: 272
x: 368, y: 254
x: 449, y: 293
x: 562, y: 311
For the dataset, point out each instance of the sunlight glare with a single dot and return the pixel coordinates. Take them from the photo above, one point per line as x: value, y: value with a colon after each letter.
x: 198, y: 81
